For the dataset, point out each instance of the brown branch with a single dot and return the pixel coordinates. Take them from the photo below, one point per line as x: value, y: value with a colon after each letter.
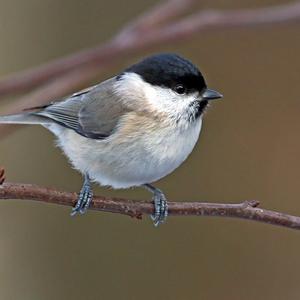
x: 245, y: 210
x: 107, y: 53
x: 146, y: 32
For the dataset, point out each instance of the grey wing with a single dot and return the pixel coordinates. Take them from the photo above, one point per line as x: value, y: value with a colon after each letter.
x: 93, y: 112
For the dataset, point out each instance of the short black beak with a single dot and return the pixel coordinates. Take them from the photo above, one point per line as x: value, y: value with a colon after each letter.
x: 209, y: 94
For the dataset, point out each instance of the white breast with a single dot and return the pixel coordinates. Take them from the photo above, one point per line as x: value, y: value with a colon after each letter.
x: 137, y: 160
x: 172, y: 150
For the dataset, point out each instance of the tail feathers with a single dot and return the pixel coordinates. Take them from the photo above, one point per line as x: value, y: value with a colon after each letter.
x: 27, y: 118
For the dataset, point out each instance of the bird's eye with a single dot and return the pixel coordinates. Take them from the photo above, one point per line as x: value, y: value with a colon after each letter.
x: 180, y: 89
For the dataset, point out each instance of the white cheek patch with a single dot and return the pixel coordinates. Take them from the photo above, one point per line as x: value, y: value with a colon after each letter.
x: 168, y: 101
x: 137, y: 93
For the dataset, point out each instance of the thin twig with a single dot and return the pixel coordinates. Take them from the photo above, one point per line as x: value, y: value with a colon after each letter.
x: 107, y: 53
x: 138, y: 36
x: 245, y: 210
x: 58, y: 78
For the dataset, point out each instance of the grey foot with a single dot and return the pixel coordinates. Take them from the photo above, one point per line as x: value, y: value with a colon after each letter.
x: 84, y: 199
x: 160, y: 205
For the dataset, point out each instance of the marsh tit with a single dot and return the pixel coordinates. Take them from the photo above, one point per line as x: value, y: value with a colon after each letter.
x: 131, y: 129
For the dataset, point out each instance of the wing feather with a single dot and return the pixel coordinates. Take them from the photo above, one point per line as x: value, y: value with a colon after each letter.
x: 93, y: 112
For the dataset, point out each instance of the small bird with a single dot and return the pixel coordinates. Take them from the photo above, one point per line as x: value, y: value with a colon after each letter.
x: 129, y: 130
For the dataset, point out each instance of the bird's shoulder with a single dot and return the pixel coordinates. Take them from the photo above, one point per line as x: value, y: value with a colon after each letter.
x: 92, y: 112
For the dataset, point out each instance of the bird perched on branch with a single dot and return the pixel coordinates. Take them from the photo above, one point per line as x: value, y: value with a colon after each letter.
x: 131, y: 129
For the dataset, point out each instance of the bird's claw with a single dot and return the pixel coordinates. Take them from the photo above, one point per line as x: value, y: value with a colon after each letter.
x: 160, y: 208
x: 84, y: 199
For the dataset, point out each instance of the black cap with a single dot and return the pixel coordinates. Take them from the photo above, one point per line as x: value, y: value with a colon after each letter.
x: 169, y: 70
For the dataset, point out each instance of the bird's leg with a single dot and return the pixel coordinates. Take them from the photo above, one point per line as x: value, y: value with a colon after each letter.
x: 85, y: 197
x: 160, y: 205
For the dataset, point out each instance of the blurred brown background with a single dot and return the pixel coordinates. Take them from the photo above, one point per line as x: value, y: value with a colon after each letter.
x: 249, y: 149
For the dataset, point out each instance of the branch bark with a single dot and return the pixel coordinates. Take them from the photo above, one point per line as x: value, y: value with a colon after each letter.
x: 246, y: 210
